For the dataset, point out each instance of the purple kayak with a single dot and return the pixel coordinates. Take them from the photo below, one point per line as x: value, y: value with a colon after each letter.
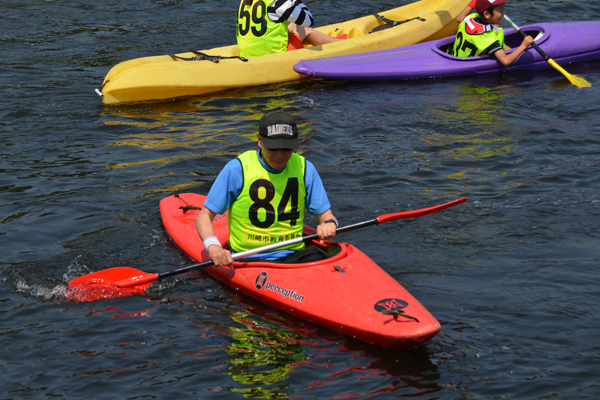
x: 564, y: 42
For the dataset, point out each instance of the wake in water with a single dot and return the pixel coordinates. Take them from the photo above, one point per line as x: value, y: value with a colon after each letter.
x: 57, y: 293
x: 72, y: 288
x: 29, y: 285
x: 26, y: 282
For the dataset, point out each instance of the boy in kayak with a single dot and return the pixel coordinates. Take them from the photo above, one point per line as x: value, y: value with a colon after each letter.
x: 265, y: 192
x: 480, y: 34
x: 263, y: 27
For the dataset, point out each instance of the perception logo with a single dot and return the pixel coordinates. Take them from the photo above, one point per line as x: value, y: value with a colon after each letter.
x: 260, y: 281
x: 390, y: 304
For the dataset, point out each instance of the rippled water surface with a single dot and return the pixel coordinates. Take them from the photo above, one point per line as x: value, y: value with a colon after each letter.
x: 512, y: 275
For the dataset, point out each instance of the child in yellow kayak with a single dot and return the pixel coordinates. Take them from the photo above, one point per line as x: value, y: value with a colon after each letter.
x: 480, y: 34
x: 275, y: 26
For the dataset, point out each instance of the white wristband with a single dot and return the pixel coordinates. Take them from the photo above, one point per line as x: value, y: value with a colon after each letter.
x: 211, y: 240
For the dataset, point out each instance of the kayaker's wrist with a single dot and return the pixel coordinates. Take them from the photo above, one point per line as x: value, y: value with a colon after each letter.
x: 210, y: 241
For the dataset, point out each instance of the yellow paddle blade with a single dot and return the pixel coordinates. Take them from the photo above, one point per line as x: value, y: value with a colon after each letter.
x: 575, y: 80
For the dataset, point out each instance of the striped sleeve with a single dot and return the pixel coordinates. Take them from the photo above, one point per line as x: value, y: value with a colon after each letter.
x: 290, y: 10
x: 493, y: 48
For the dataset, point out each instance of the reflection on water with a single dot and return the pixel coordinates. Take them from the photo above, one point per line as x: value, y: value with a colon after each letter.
x: 480, y: 104
x: 480, y: 133
x: 471, y: 107
x: 269, y: 349
x: 206, y: 126
x: 263, y: 355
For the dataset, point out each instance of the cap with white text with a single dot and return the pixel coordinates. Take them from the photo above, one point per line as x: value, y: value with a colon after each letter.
x: 278, y: 131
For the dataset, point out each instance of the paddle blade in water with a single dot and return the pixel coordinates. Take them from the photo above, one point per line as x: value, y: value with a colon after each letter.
x: 574, y: 79
x: 105, y: 284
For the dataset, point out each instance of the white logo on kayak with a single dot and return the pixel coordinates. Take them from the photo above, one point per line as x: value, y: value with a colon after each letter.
x: 261, y: 281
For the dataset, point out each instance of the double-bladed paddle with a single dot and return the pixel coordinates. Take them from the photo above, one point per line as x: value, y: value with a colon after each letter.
x: 574, y: 79
x: 125, y: 281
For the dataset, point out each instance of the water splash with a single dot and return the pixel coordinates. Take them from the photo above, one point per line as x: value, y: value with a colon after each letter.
x: 76, y: 268
x: 40, y: 292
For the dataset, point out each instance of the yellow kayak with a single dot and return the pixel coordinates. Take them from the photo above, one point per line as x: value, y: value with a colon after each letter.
x: 166, y: 77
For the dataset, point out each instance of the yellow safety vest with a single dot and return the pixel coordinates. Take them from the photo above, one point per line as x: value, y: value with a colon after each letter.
x: 270, y: 207
x: 473, y: 38
x: 257, y: 35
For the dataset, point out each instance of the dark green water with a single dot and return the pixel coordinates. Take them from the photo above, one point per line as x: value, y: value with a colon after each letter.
x: 512, y: 275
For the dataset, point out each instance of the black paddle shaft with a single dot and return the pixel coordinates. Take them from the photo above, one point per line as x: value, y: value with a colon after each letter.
x: 534, y: 44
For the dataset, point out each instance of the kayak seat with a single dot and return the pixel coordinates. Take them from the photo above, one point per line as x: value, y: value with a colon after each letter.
x: 514, y: 39
x: 333, y: 250
x: 447, y: 48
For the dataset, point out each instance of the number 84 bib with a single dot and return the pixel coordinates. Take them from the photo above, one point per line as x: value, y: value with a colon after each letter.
x: 270, y: 207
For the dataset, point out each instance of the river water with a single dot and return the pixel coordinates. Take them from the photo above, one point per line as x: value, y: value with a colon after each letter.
x: 512, y: 275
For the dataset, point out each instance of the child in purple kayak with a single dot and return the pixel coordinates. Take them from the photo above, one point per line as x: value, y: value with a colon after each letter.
x: 480, y: 34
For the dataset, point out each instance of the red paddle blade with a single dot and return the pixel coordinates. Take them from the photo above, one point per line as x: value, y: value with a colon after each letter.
x: 419, y: 213
x: 105, y: 284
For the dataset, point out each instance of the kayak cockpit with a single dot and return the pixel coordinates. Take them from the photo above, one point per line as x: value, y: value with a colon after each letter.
x: 334, y: 252
x: 512, y: 39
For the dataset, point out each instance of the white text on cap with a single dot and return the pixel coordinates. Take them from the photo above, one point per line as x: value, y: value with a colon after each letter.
x: 280, y: 129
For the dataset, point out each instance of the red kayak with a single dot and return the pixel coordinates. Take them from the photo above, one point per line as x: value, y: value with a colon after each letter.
x: 346, y: 292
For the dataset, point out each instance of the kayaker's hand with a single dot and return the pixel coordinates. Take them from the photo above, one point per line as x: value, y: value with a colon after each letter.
x: 527, y: 41
x: 326, y: 231
x: 220, y: 256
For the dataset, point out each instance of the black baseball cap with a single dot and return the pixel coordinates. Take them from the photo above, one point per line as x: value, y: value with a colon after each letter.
x: 278, y: 131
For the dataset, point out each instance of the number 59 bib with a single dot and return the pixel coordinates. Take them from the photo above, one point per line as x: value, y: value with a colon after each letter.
x: 257, y: 35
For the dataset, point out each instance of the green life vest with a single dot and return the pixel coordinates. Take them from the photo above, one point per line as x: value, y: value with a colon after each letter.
x: 270, y: 207
x: 257, y: 35
x: 473, y: 38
